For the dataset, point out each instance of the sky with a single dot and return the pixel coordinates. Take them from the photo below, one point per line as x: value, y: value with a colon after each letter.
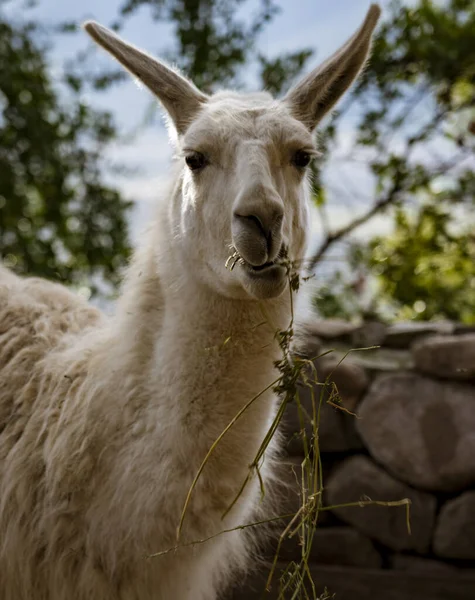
x: 317, y: 24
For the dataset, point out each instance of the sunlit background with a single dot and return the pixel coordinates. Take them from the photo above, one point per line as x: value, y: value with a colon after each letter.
x: 79, y: 141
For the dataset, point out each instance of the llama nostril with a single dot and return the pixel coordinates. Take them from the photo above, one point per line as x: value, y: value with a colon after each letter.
x: 258, y: 237
x: 258, y: 223
x: 267, y: 226
x: 255, y: 225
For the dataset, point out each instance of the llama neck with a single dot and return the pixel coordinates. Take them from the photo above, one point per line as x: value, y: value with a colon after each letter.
x: 192, y: 337
x: 179, y: 364
x: 211, y: 352
x: 218, y: 345
x: 208, y: 357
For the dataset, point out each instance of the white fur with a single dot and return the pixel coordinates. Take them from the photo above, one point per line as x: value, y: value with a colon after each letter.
x: 105, y: 422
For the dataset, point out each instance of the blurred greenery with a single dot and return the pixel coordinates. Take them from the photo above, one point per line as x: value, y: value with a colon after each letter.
x: 425, y: 268
x: 57, y: 217
x: 416, y: 135
x: 413, y: 111
x: 211, y: 42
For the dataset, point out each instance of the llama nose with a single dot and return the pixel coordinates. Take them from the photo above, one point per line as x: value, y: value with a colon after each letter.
x: 268, y: 225
x: 257, y: 235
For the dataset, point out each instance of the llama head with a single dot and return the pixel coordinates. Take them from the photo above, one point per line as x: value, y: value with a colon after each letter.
x: 244, y: 187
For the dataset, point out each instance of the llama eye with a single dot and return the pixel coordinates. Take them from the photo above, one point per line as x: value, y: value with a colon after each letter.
x: 301, y: 159
x: 195, y: 161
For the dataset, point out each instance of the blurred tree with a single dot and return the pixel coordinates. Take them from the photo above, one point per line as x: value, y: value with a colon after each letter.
x: 57, y: 217
x: 213, y: 42
x: 415, y: 113
x: 277, y: 74
x: 425, y: 269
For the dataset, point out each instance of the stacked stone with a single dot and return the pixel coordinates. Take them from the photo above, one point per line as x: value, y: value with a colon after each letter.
x: 407, y: 430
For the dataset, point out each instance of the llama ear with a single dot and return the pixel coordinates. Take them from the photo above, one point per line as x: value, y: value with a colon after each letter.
x: 316, y: 94
x: 181, y: 99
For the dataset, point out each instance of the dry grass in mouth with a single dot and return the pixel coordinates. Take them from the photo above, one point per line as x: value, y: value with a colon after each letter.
x: 295, y: 582
x: 235, y: 258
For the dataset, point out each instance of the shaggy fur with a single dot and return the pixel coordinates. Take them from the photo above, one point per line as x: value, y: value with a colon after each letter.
x: 105, y: 422
x: 102, y: 433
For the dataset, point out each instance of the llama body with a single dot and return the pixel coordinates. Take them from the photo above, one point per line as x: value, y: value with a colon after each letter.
x: 74, y: 451
x: 104, y: 422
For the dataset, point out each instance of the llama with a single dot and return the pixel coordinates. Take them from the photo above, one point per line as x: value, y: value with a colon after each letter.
x: 104, y: 421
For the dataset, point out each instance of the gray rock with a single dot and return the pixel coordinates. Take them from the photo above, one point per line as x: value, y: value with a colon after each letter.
x: 371, y: 333
x: 333, y: 546
x: 451, y: 357
x: 330, y: 329
x: 402, y: 335
x: 455, y: 531
x: 376, y: 361
x: 347, y: 583
x: 350, y: 378
x: 405, y: 562
x: 337, y: 429
x: 340, y: 383
x: 359, y: 478
x: 421, y: 430
x: 461, y: 328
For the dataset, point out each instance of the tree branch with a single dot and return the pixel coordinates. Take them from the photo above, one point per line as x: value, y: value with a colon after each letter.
x: 337, y: 235
x: 392, y: 196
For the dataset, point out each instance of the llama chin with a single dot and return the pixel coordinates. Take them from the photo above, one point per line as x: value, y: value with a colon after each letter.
x: 104, y: 422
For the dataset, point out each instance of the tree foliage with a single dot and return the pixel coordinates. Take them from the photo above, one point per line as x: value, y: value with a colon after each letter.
x: 427, y: 268
x: 57, y: 217
x: 413, y: 110
x: 415, y: 107
x: 212, y: 44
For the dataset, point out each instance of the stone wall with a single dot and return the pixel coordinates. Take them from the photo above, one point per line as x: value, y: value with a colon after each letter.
x: 413, y: 437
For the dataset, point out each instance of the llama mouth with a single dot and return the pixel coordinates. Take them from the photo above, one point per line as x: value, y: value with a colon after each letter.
x: 269, y: 267
x: 264, y: 281
x: 269, y: 271
x: 261, y: 268
x: 277, y: 262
